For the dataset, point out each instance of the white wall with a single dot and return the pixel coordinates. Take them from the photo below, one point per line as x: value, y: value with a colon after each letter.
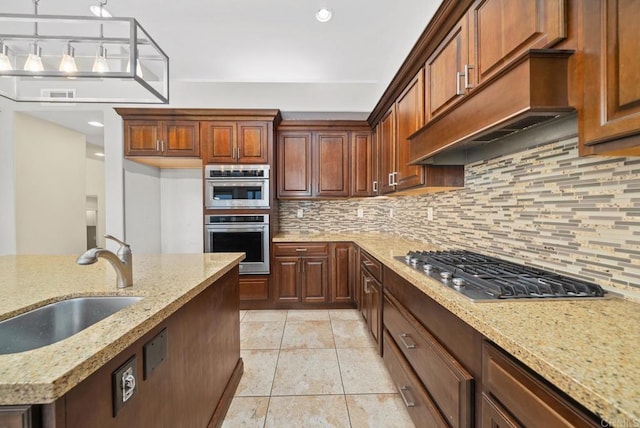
x: 50, y: 188
x: 95, y: 187
x: 7, y: 199
x: 142, y: 202
x: 181, y: 208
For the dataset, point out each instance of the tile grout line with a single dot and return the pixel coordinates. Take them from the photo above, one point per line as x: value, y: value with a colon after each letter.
x: 273, y: 380
x: 344, y: 392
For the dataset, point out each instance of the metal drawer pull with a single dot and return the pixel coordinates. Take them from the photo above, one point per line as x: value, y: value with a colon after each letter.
x: 375, y: 186
x: 301, y: 249
x: 403, y: 339
x: 404, y: 390
x: 391, y: 179
x: 459, y: 91
x: 467, y: 67
x: 367, y: 263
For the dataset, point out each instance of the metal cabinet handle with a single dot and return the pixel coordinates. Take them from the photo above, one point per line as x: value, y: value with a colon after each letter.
x: 459, y: 91
x: 367, y: 263
x: 237, y: 153
x: 404, y: 390
x: 367, y: 289
x: 391, y: 179
x: 162, y: 146
x: 403, y: 339
x: 301, y: 249
x: 467, y: 84
x: 375, y: 187
x: 395, y: 178
x: 157, y: 145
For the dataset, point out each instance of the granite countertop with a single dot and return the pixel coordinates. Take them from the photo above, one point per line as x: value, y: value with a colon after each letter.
x: 166, y: 282
x: 588, y: 349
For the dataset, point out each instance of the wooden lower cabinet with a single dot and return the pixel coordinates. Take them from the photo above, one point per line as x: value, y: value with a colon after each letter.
x: 494, y: 416
x: 370, y: 295
x: 449, y: 385
x: 254, y: 287
x: 524, y: 399
x: 416, y: 399
x: 313, y: 275
x: 18, y: 417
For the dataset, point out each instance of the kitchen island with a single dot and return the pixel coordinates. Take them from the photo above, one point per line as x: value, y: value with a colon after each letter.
x: 588, y: 350
x: 180, y: 293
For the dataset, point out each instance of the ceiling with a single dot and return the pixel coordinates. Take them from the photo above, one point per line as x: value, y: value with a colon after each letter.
x: 277, y: 41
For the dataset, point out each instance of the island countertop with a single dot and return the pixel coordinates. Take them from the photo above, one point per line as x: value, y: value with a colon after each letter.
x: 164, y: 281
x: 588, y: 349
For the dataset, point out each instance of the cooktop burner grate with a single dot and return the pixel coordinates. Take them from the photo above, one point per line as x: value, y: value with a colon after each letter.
x: 481, y: 277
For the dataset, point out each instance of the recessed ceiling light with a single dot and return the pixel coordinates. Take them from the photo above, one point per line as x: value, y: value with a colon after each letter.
x: 96, y: 11
x: 324, y: 15
x: 96, y: 124
x: 99, y: 154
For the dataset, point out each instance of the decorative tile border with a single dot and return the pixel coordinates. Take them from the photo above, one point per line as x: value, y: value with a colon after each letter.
x: 544, y: 206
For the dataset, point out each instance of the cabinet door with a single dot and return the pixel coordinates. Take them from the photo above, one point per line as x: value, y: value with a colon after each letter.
x: 315, y: 279
x: 254, y: 287
x: 253, y: 142
x: 504, y: 29
x: 343, y: 267
x: 609, y: 120
x: 386, y: 138
x: 364, y: 300
x: 16, y: 417
x: 493, y: 416
x: 445, y: 71
x: 409, y: 118
x: 294, y: 164
x: 375, y: 313
x: 142, y: 138
x: 181, y: 138
x: 362, y: 164
x: 286, y: 279
x: 220, y: 140
x: 331, y: 164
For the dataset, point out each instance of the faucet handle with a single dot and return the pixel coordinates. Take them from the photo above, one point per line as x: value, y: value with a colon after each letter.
x: 124, y: 252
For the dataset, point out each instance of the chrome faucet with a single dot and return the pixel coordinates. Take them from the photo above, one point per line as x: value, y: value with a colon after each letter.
x: 121, y: 261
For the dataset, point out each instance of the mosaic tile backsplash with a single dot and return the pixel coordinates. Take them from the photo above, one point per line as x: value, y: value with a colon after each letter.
x: 544, y: 206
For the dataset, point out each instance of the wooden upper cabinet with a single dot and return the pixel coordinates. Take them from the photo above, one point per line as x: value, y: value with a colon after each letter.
x: 331, y: 164
x: 609, y: 118
x: 161, y: 138
x: 363, y: 161
x: 294, y: 164
x: 220, y: 140
x: 409, y: 118
x: 252, y: 142
x: 445, y: 70
x: 485, y: 40
x: 503, y: 29
x: 386, y: 132
x: 236, y: 142
x: 142, y: 138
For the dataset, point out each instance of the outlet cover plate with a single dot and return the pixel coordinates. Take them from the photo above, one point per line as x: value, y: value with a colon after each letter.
x: 154, y: 352
x: 128, y: 368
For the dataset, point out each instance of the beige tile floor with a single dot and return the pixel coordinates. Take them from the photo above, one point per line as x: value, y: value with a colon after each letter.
x: 312, y: 368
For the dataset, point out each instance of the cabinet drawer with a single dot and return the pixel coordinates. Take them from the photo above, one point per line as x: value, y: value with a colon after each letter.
x: 254, y: 287
x: 448, y: 383
x: 422, y: 411
x: 494, y: 416
x: 528, y: 399
x: 371, y: 264
x: 301, y: 249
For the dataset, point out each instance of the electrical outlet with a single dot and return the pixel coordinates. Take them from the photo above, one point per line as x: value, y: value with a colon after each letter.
x: 360, y: 213
x: 300, y: 213
x: 124, y: 384
x: 430, y: 213
x: 391, y: 212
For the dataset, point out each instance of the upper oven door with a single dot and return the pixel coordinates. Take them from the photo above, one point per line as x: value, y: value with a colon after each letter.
x: 236, y: 193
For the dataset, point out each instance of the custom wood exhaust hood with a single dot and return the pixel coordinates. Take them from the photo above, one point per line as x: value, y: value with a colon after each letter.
x: 532, y: 90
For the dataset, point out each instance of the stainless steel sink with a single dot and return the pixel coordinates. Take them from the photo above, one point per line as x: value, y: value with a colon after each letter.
x: 57, y: 321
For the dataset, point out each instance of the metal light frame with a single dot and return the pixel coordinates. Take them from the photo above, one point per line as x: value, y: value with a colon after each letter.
x: 21, y: 85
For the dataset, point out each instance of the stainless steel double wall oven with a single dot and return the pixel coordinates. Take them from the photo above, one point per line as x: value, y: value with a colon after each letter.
x: 245, y: 190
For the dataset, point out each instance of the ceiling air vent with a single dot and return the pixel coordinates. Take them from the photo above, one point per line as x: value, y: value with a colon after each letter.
x: 58, y: 94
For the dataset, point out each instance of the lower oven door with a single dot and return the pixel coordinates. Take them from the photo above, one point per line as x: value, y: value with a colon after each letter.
x: 241, y: 238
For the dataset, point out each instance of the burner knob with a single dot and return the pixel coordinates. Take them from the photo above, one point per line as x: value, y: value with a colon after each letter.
x: 446, y: 275
x: 427, y: 268
x: 414, y: 261
x: 458, y: 282
x: 407, y: 258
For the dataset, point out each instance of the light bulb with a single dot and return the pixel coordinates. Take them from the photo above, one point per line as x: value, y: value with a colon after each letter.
x: 324, y: 15
x: 100, y: 65
x: 68, y: 63
x: 100, y: 11
x: 138, y: 68
x: 34, y: 60
x: 5, y: 61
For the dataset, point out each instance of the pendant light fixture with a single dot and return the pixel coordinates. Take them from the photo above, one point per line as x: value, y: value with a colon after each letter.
x: 5, y: 61
x: 75, y: 66
x: 68, y: 62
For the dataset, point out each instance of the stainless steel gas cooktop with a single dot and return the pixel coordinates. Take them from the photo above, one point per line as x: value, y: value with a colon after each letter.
x: 484, y: 278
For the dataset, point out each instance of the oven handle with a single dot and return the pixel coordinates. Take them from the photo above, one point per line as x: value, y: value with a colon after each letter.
x: 236, y: 182
x: 234, y: 227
